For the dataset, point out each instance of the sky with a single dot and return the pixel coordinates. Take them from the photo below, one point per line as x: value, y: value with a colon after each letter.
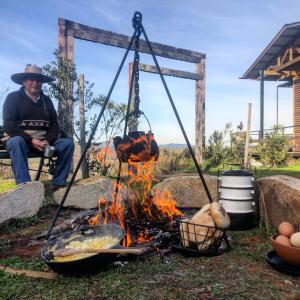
x: 232, y: 34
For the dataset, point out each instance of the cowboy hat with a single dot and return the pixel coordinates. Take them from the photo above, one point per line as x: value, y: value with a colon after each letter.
x: 31, y: 71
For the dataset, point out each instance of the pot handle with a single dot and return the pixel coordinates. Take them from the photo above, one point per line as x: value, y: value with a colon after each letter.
x: 68, y: 252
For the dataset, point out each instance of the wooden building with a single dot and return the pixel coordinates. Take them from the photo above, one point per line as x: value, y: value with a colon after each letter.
x: 280, y: 61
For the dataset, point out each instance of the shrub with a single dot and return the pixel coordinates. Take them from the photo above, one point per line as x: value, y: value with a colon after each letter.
x: 272, y: 149
x: 174, y: 161
x: 215, y: 152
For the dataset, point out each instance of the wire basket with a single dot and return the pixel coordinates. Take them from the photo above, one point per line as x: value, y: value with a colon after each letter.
x: 201, y: 239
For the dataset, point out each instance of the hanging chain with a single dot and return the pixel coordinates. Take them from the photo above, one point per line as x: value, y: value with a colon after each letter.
x: 136, y: 21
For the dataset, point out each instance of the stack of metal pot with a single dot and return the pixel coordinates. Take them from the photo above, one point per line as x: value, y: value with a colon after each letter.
x: 236, y: 189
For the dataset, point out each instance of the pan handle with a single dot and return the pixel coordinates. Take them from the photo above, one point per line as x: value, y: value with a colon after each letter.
x: 67, y: 252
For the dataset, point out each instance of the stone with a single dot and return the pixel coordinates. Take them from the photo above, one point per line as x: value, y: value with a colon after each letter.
x: 188, y: 191
x: 22, y: 202
x: 86, y: 193
x: 279, y: 199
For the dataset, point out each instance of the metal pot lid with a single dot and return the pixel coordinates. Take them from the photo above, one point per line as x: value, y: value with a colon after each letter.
x: 239, y: 172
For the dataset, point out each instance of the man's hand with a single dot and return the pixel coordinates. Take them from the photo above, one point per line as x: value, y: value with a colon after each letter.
x: 39, y: 145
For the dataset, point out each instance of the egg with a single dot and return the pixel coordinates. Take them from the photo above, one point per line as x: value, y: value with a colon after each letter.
x: 286, y: 228
x: 295, y: 239
x: 283, y: 240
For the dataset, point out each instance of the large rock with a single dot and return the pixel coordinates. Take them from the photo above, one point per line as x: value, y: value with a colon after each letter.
x: 87, y: 192
x: 22, y: 202
x: 280, y: 199
x: 188, y: 191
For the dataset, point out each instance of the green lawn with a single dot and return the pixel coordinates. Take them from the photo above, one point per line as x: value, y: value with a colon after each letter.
x: 291, y: 170
x: 6, y: 185
x: 241, y: 273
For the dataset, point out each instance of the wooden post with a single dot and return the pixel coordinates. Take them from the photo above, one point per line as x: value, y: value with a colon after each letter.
x: 62, y: 51
x: 246, y: 157
x: 82, y: 142
x: 200, y: 111
x: 65, y: 50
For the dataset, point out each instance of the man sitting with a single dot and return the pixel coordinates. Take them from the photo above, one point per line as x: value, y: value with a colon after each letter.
x: 30, y: 123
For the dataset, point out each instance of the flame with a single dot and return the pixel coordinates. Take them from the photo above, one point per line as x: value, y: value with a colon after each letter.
x: 104, y: 153
x: 144, y: 237
x: 127, y: 241
x: 96, y: 220
x: 140, y: 180
x: 115, y: 211
x: 166, y: 205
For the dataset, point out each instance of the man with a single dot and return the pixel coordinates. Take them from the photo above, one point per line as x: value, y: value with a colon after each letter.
x: 30, y: 123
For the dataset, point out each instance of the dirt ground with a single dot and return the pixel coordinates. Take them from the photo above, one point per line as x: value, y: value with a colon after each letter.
x: 241, y: 273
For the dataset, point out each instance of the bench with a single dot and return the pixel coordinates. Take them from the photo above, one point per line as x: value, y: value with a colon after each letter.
x: 32, y: 154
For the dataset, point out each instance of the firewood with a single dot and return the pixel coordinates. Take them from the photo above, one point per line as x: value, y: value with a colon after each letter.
x: 29, y: 273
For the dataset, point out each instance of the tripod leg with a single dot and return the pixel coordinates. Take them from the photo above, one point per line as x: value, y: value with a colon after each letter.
x: 91, y: 136
x: 177, y: 117
x: 38, y: 174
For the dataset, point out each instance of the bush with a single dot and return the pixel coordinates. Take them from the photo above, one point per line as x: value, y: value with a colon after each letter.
x: 215, y: 152
x: 174, y: 160
x: 272, y: 149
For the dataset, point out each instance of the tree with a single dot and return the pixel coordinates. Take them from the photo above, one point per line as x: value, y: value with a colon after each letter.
x: 99, y: 161
x: 67, y: 86
x: 214, y: 153
x: 64, y: 72
x: 272, y: 149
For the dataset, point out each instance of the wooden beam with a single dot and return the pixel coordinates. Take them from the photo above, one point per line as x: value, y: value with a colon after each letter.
x: 292, y: 65
x: 97, y: 35
x: 271, y: 72
x: 170, y: 72
x: 286, y: 52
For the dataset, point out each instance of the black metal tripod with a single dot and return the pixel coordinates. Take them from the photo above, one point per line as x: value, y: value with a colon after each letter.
x: 138, y: 30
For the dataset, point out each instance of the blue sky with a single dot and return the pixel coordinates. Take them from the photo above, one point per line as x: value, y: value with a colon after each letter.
x: 231, y: 33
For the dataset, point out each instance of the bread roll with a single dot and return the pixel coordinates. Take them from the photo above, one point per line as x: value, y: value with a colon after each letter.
x: 184, y: 233
x: 197, y: 234
x: 219, y: 215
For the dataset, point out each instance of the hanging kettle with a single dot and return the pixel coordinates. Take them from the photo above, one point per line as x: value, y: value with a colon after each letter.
x: 137, y: 146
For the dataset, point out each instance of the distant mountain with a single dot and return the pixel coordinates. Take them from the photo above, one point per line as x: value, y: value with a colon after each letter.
x: 163, y: 146
x: 173, y: 146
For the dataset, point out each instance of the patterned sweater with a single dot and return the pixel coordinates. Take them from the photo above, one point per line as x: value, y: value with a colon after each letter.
x: 23, y: 117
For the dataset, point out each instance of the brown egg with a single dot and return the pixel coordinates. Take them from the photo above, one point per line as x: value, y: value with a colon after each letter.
x: 283, y: 240
x: 286, y: 228
x: 295, y: 239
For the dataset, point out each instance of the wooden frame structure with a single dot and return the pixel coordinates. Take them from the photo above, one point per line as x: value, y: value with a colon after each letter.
x: 68, y: 30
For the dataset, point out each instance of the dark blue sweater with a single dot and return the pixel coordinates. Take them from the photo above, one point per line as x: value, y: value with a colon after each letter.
x: 21, y: 114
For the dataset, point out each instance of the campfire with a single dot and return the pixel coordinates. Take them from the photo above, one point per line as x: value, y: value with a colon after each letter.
x: 147, y: 220
x: 132, y: 219
x: 144, y: 212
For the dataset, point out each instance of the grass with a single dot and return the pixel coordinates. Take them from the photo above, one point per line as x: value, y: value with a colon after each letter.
x: 290, y: 170
x: 241, y: 273
x: 6, y: 185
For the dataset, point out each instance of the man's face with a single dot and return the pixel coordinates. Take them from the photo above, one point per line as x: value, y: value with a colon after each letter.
x: 32, y: 85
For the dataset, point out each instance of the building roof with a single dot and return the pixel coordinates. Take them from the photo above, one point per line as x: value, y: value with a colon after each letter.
x: 283, y: 38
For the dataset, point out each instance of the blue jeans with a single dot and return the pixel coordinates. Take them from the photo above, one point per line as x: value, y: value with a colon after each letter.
x: 18, y: 149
